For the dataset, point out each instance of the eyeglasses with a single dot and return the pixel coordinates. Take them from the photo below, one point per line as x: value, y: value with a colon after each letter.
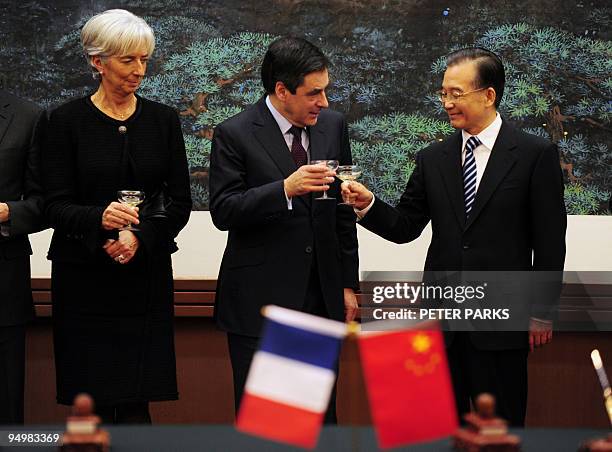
x: 455, y: 95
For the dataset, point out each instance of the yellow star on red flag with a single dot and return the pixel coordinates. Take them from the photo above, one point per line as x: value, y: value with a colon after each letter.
x: 421, y: 343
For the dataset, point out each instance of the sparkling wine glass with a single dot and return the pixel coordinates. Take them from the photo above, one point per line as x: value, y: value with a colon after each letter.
x: 348, y: 173
x: 331, y: 165
x: 132, y: 198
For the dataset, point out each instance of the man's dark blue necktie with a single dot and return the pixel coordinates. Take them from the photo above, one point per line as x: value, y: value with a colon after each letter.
x: 297, y: 149
x: 469, y: 174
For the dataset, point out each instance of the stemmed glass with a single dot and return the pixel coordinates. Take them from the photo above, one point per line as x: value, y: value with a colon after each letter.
x: 331, y: 165
x: 132, y: 198
x: 348, y: 173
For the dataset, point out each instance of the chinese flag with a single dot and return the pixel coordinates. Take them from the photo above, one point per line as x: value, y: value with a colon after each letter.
x: 409, y: 387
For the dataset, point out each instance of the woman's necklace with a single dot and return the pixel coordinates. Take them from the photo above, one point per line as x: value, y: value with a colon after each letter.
x: 115, y: 113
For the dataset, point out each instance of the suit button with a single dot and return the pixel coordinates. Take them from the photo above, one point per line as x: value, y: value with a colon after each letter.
x: 308, y: 249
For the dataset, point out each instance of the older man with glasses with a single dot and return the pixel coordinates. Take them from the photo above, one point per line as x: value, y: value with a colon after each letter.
x: 494, y: 196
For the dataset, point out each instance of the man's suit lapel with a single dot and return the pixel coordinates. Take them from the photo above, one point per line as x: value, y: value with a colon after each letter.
x: 452, y: 175
x: 6, y: 116
x: 268, y: 134
x: 501, y: 160
x: 270, y: 137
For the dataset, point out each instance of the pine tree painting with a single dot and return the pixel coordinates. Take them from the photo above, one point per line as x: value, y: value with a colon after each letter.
x: 387, y: 61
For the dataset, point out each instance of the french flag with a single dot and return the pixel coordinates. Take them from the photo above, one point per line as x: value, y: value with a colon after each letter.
x: 291, y: 377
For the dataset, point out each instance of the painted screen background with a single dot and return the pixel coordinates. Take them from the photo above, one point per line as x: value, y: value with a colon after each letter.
x: 387, y: 61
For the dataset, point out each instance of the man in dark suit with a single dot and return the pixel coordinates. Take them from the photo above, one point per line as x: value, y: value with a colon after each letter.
x: 21, y: 124
x: 495, y: 202
x: 284, y: 247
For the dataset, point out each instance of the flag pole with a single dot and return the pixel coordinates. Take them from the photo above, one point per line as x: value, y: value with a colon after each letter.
x: 353, y: 328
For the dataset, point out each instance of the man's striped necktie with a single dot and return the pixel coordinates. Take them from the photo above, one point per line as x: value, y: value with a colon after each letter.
x: 469, y: 173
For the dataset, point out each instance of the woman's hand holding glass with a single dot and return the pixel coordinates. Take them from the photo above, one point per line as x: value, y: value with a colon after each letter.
x: 118, y: 215
x: 132, y: 198
x: 124, y: 249
x: 121, y: 215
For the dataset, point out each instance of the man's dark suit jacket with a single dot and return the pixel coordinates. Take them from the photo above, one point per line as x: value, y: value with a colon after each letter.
x: 21, y: 124
x: 517, y: 222
x: 270, y: 249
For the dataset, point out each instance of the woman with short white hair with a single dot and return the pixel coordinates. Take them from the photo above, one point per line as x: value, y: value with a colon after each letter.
x: 112, y: 285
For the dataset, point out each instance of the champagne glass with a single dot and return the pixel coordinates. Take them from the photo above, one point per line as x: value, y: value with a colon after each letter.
x: 347, y: 173
x: 332, y: 165
x: 131, y: 198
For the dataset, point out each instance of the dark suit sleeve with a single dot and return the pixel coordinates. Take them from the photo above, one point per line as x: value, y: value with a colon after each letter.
x: 346, y: 229
x: 548, y: 226
x: 548, y: 216
x: 157, y: 232
x: 62, y: 211
x: 403, y: 223
x: 26, y: 214
x: 233, y: 204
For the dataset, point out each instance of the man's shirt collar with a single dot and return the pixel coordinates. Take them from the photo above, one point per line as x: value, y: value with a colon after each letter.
x: 282, y: 122
x: 487, y: 136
